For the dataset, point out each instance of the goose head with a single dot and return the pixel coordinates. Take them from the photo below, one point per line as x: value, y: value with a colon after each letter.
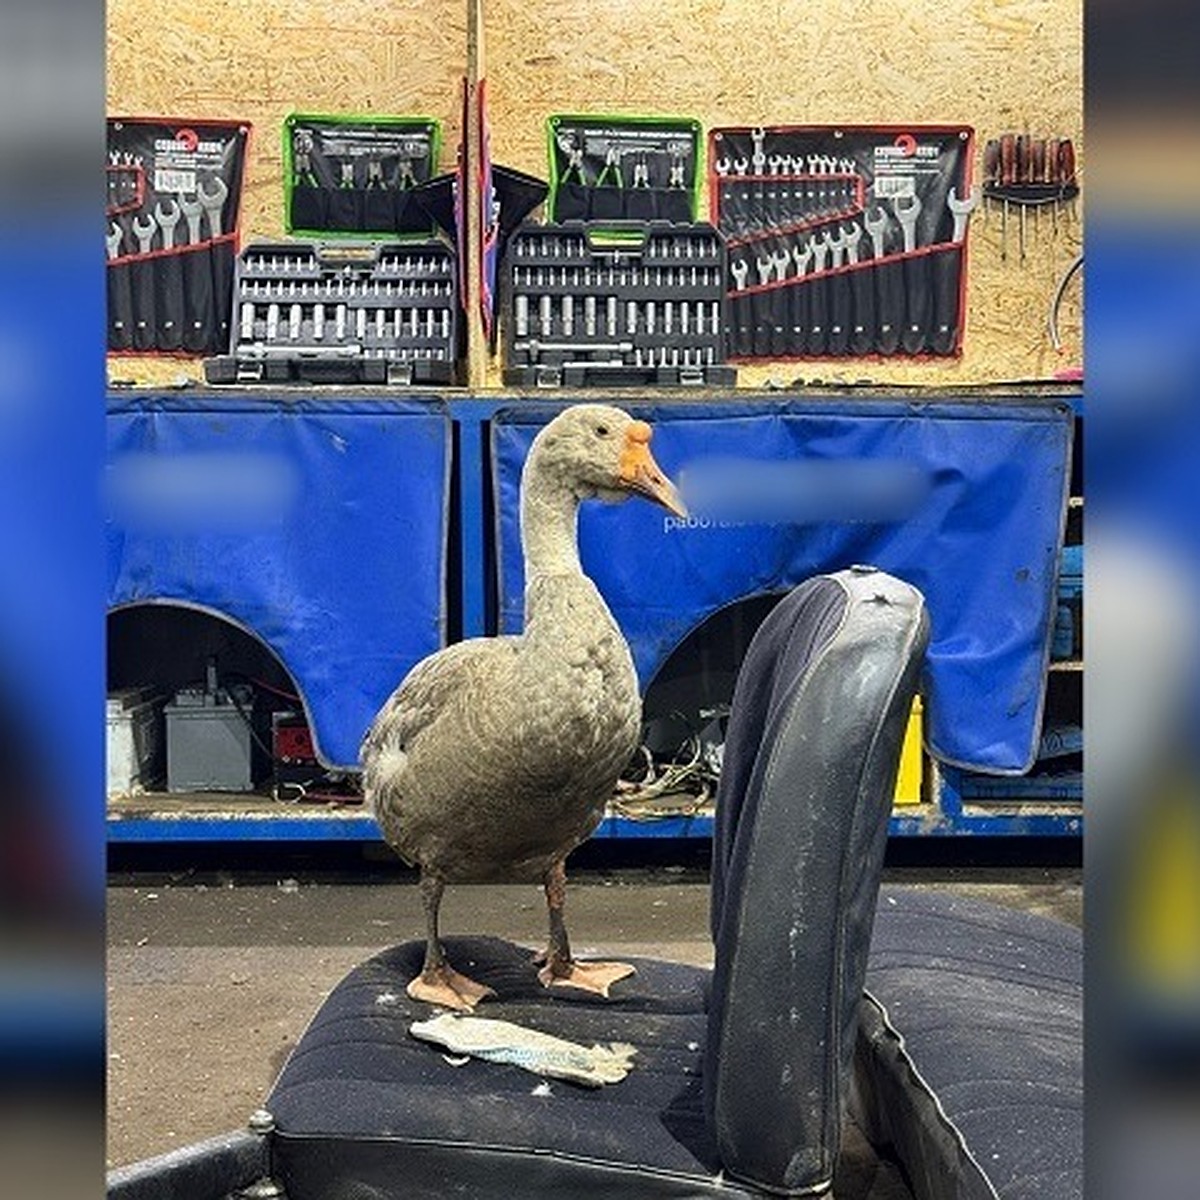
x: 596, y: 451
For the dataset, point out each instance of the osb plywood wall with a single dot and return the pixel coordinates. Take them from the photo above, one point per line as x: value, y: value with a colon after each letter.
x: 259, y: 61
x: 997, y: 65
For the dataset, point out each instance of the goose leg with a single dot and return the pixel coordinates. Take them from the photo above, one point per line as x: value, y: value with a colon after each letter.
x: 561, y: 970
x: 438, y: 982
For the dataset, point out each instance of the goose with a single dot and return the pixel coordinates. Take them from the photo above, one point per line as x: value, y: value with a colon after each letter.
x: 496, y: 756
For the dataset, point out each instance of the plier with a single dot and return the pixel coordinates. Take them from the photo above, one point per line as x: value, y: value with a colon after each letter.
x: 612, y: 166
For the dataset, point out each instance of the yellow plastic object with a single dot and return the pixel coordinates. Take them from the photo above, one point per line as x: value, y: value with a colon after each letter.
x: 912, y: 762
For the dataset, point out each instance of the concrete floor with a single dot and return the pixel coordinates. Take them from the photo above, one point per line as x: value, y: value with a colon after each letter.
x: 212, y: 979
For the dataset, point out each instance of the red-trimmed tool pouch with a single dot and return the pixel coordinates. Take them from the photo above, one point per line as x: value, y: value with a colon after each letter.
x: 820, y: 263
x: 173, y: 200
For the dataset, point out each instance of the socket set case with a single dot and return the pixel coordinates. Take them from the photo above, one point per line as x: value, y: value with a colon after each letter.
x: 372, y: 314
x: 621, y: 168
x: 844, y: 240
x: 172, y: 198
x: 355, y: 174
x: 637, y: 306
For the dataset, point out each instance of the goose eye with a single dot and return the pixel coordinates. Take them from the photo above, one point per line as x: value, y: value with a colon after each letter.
x: 602, y: 431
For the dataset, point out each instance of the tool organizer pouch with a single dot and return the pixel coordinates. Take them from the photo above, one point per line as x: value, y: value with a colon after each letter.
x: 342, y: 313
x: 634, y: 305
x: 354, y: 175
x: 173, y: 193
x: 612, y: 168
x: 843, y: 241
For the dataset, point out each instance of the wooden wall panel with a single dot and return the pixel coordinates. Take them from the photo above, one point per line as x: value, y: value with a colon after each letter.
x: 259, y: 61
x: 997, y: 65
x: 994, y: 64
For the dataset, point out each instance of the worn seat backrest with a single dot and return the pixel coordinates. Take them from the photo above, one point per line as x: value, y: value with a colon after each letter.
x: 810, y: 762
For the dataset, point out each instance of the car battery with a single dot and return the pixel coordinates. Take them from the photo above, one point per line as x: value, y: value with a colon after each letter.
x: 210, y: 742
x: 135, y: 741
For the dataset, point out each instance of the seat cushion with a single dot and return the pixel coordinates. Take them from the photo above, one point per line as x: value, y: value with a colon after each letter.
x: 988, y: 1002
x: 364, y: 1110
x: 968, y: 1076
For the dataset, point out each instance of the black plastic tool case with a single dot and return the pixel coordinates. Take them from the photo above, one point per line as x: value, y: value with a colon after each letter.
x: 306, y: 313
x: 639, y: 305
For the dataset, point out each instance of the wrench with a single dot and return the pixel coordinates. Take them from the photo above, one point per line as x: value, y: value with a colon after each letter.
x: 781, y: 260
x: 778, y: 164
x: 820, y: 251
x: 192, y: 210
x: 876, y: 229
x: 213, y: 202
x: 120, y: 293
x: 766, y: 267
x: 112, y: 240
x: 962, y: 210
x: 851, y: 237
x: 167, y: 219
x: 837, y: 247
x: 802, y: 256
x: 739, y: 269
x: 722, y: 166
x: 143, y: 230
x: 758, y: 158
x: 741, y: 166
x: 907, y: 215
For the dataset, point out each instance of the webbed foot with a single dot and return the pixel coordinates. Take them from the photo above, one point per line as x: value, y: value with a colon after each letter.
x: 446, y: 988
x: 595, y: 977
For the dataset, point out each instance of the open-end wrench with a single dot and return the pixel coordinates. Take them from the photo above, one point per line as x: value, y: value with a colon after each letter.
x: 761, y: 306
x: 193, y: 211
x: 120, y: 294
x: 213, y: 203
x: 838, y: 286
x: 862, y: 289
x: 167, y: 219
x: 798, y: 305
x: 741, y: 310
x: 818, y: 298
x: 876, y: 228
x: 142, y: 282
x: 836, y: 242
x: 947, y: 277
x: 820, y: 252
x: 918, y: 287
x: 168, y: 277
x: 197, y: 282
x: 143, y: 230
x: 961, y: 210
x: 907, y: 215
x: 851, y: 236
x: 758, y: 158
x: 778, y: 304
x: 766, y: 268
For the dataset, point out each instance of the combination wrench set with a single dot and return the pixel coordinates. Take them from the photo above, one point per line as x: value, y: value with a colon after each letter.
x: 622, y: 168
x: 171, y: 233
x: 342, y: 313
x: 356, y: 175
x: 638, y: 305
x: 843, y: 241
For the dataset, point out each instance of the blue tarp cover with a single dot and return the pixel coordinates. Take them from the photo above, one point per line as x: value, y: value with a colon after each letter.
x: 963, y: 499
x: 318, y: 525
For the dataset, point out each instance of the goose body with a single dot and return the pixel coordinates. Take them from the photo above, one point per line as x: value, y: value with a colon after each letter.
x: 496, y: 756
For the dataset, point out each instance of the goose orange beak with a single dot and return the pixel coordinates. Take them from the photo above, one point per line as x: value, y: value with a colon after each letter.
x: 641, y: 474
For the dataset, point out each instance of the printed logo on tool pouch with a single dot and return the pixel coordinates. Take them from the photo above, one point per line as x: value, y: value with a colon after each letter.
x: 188, y: 140
x: 907, y: 146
